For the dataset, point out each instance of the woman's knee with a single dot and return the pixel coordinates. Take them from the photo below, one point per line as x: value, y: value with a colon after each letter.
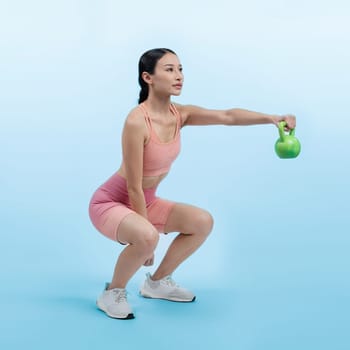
x: 146, y: 240
x: 204, y: 222
x: 137, y: 231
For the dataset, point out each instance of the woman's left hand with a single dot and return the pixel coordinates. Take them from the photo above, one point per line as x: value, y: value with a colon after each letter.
x: 288, y: 118
x: 149, y: 261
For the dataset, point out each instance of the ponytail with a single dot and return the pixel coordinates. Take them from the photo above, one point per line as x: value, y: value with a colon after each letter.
x: 143, y: 92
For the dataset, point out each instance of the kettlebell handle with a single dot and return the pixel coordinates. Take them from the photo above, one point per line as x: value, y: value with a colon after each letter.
x: 281, y: 126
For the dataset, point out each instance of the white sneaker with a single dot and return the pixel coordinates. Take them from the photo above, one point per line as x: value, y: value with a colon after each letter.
x: 166, y: 288
x: 114, y: 303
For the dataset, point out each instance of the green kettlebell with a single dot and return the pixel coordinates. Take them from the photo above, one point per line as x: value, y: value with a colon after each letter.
x: 287, y: 146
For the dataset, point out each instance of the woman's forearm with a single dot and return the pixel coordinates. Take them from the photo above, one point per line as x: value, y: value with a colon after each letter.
x: 137, y: 202
x: 238, y: 116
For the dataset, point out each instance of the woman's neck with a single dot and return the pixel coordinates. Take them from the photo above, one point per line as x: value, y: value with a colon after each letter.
x: 158, y: 105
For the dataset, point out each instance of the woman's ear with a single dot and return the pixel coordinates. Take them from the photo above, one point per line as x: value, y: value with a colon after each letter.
x: 147, y: 77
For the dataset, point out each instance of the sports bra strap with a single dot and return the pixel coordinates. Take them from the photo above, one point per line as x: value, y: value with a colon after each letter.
x: 177, y: 115
x: 146, y: 115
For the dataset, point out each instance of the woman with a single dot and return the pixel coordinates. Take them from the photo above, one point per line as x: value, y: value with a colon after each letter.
x: 125, y: 208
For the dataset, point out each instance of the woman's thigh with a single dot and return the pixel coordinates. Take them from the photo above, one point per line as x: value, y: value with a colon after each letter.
x: 121, y: 224
x: 189, y: 219
x: 134, y: 229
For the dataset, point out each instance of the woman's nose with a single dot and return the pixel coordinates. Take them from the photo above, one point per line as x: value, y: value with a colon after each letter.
x: 179, y: 75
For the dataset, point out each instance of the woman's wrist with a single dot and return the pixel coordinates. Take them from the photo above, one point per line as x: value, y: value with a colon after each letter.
x: 275, y: 119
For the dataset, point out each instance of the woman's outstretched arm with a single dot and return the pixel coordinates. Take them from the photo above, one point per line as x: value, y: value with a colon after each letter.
x: 194, y: 115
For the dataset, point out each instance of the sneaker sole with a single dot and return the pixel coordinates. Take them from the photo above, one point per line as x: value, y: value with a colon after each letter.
x: 178, y: 300
x: 127, y: 317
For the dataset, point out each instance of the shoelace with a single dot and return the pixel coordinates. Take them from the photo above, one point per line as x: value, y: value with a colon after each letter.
x: 120, y: 295
x: 169, y: 281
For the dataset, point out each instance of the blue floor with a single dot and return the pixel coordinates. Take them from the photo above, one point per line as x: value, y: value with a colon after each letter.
x: 262, y: 281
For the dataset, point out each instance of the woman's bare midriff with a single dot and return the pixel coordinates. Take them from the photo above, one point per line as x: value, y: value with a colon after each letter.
x: 152, y: 181
x: 147, y: 181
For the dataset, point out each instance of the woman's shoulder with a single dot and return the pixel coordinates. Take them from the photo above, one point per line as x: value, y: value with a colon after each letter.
x: 135, y: 111
x: 135, y: 119
x: 179, y: 107
x: 183, y: 111
x: 135, y: 115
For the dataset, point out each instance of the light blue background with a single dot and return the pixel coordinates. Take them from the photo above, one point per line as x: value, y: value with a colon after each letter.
x: 275, y: 272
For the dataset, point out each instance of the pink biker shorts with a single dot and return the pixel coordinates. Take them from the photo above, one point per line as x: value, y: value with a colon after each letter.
x: 110, y: 204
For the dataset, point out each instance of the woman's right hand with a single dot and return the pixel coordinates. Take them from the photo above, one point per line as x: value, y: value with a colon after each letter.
x: 288, y: 118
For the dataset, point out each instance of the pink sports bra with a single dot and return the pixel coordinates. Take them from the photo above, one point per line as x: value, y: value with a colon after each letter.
x: 158, y: 156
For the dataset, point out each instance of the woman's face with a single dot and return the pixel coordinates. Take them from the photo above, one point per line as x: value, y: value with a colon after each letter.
x: 167, y: 78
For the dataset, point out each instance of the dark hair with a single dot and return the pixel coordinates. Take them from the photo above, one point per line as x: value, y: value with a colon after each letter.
x: 147, y: 64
